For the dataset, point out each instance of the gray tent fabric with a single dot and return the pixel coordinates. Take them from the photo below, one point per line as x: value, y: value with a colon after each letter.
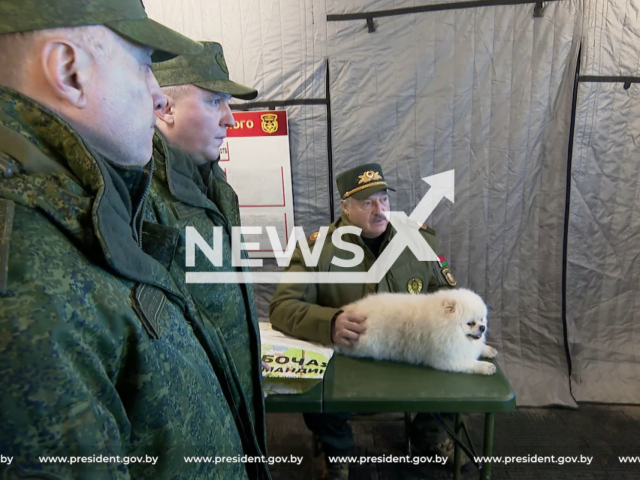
x: 309, y: 170
x: 603, y: 276
x: 603, y: 268
x: 610, y: 44
x: 488, y: 92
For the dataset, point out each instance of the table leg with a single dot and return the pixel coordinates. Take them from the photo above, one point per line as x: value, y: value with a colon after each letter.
x: 407, y: 432
x: 457, y: 453
x: 488, y: 445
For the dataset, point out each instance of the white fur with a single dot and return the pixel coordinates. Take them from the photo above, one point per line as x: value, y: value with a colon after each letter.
x: 427, y: 329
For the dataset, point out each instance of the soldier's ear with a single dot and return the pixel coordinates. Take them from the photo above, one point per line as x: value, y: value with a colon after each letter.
x: 67, y: 69
x: 167, y: 114
x: 345, y: 207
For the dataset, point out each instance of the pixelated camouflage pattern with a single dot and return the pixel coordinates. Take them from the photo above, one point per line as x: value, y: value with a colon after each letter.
x: 25, y: 15
x: 306, y: 310
x: 176, y: 200
x: 126, y: 17
x: 81, y: 373
x: 207, y: 70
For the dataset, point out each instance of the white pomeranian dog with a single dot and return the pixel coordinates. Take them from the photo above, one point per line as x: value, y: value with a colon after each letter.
x: 444, y: 330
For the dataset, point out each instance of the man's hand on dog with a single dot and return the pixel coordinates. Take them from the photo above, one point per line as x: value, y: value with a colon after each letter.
x: 347, y: 329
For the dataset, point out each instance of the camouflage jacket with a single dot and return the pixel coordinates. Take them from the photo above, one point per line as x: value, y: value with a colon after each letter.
x: 102, y: 353
x: 307, y: 310
x: 176, y: 200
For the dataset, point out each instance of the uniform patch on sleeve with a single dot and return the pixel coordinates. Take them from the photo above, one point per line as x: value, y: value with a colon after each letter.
x: 448, y: 276
x: 148, y: 302
x: 7, y: 209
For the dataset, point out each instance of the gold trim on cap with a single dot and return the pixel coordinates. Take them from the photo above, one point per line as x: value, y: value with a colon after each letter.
x: 362, y: 187
x: 368, y: 176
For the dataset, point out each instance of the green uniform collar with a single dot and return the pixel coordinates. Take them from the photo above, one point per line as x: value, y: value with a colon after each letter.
x: 76, y: 188
x: 207, y: 170
x: 175, y: 168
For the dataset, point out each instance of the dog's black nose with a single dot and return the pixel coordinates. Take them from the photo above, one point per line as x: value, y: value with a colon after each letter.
x: 482, y: 328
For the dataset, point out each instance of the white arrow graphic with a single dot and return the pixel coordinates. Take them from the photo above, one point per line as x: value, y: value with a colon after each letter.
x: 407, y: 236
x: 442, y: 186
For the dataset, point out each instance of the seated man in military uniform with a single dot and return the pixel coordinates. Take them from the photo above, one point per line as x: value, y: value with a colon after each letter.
x: 313, y: 311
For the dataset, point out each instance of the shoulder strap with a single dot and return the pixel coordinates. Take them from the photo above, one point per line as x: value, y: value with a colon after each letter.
x: 28, y: 155
x: 7, y: 209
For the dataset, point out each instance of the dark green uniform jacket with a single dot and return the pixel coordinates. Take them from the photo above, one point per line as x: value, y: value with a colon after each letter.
x: 102, y: 352
x: 176, y: 200
x: 306, y: 310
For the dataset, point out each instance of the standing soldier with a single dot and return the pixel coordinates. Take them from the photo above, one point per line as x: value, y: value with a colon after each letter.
x: 192, y: 126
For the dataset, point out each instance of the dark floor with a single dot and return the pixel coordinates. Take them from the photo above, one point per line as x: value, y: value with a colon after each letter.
x: 601, y: 432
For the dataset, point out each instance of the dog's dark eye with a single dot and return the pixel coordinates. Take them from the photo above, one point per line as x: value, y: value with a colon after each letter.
x: 471, y: 324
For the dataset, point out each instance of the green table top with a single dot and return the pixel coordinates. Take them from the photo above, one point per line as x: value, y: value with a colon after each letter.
x: 307, y: 402
x: 368, y: 386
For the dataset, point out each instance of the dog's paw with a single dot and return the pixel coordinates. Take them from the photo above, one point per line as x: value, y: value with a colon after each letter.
x: 489, y: 352
x: 486, y: 368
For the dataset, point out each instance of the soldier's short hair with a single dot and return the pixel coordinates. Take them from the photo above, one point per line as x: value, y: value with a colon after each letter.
x: 14, y: 50
x: 175, y: 91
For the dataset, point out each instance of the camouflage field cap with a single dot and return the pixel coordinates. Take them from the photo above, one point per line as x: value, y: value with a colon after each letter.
x: 126, y: 17
x: 207, y: 70
x: 362, y: 181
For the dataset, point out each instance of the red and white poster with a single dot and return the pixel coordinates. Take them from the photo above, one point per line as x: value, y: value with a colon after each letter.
x: 255, y: 158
